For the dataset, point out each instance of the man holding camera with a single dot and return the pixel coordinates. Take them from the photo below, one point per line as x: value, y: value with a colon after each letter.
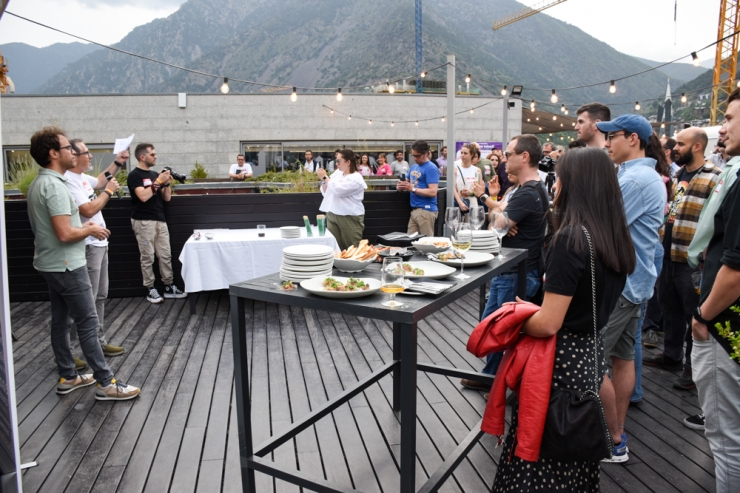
x: 149, y: 191
x: 82, y: 187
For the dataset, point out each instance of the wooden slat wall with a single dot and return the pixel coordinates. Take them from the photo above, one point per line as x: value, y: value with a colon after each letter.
x: 385, y: 211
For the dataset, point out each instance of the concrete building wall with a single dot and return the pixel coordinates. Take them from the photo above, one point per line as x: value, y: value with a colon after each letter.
x: 209, y: 130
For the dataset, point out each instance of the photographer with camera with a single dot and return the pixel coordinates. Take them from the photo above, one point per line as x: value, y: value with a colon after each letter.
x: 547, y: 166
x: 149, y: 191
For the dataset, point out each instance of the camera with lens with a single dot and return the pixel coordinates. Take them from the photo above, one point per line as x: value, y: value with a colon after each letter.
x: 547, y: 164
x: 174, y: 174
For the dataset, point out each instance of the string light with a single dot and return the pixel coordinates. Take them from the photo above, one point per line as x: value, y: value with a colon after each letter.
x: 417, y: 123
x: 662, y: 125
x: 391, y: 89
x: 443, y: 119
x: 695, y: 58
x: 637, y: 106
x: 339, y: 94
x: 332, y: 111
x: 504, y: 92
x: 349, y: 117
x: 294, y: 96
x: 369, y: 122
x: 471, y: 110
x: 554, y: 117
x: 423, y: 74
x: 683, y: 97
x: 562, y: 108
x: 566, y: 111
x: 467, y: 79
x: 393, y: 124
x: 554, y: 97
x: 612, y: 87
x: 225, y: 86
x: 532, y: 105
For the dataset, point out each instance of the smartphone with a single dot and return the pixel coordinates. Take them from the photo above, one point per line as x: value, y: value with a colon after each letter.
x: 402, y: 177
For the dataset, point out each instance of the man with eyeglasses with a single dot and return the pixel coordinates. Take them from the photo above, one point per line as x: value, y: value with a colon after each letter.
x: 59, y: 257
x: 83, y: 187
x: 644, y: 196
x: 422, y: 184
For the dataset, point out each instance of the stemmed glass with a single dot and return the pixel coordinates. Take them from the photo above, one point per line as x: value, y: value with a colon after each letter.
x: 462, y: 239
x: 500, y: 224
x: 452, y: 218
x: 477, y: 217
x: 392, y: 280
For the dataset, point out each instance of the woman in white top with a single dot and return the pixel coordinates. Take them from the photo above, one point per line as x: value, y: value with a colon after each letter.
x: 343, y: 194
x: 365, y: 168
x: 466, y: 177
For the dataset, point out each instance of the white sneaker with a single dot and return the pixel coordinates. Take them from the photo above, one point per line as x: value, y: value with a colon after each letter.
x: 116, y: 391
x: 66, y: 386
x: 154, y: 297
x: 173, y: 291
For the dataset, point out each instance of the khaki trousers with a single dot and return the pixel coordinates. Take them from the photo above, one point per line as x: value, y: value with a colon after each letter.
x: 154, y: 238
x: 422, y: 222
x: 346, y: 229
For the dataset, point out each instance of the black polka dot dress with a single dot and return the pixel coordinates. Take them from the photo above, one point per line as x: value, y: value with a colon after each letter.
x: 574, y: 354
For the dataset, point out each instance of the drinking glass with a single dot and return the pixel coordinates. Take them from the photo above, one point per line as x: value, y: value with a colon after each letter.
x: 261, y: 230
x: 500, y: 224
x: 452, y: 218
x: 462, y: 239
x: 477, y: 217
x: 391, y: 280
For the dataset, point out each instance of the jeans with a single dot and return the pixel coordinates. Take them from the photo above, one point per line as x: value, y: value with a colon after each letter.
x: 97, y: 270
x: 646, y: 308
x: 503, y: 289
x: 678, y: 300
x: 70, y: 293
x: 717, y: 379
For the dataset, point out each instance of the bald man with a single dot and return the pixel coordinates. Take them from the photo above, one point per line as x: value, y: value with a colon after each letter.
x: 678, y: 297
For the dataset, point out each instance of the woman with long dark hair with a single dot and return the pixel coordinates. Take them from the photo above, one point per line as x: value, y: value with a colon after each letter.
x: 343, y: 194
x: 588, y: 196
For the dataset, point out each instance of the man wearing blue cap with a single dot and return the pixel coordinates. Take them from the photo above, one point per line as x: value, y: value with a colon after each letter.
x: 644, y: 195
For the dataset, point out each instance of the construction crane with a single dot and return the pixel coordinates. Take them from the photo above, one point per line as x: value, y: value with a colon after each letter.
x: 419, y: 46
x: 524, y: 13
x: 725, y: 61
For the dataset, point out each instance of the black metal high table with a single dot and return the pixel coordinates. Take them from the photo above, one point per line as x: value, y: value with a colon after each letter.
x: 403, y: 367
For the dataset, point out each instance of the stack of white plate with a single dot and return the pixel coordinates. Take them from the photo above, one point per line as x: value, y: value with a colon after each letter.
x: 485, y: 241
x: 302, y: 262
x: 290, y: 232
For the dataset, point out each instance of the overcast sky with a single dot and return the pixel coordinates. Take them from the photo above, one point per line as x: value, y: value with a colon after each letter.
x: 643, y: 28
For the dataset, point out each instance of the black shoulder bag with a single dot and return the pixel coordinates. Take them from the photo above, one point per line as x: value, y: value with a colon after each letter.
x: 575, y: 427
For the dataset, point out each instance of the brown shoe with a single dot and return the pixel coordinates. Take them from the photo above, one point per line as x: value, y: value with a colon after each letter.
x: 475, y: 385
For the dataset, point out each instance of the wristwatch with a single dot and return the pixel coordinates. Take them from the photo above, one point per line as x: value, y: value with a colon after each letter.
x: 413, y: 190
x: 118, y: 164
x: 699, y: 318
x: 483, y: 197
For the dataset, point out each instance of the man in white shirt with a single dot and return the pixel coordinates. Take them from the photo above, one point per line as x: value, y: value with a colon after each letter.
x: 399, y: 166
x: 241, y: 169
x: 309, y: 164
x: 83, y: 188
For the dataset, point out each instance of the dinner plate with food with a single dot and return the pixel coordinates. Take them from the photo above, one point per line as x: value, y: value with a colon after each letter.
x: 433, y: 244
x: 432, y: 270
x: 341, y: 287
x: 471, y: 259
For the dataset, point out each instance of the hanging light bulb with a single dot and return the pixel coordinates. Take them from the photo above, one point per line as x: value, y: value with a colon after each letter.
x: 332, y: 111
x: 637, y: 106
x: 566, y: 111
x: 339, y: 94
x: 294, y: 96
x: 225, y: 86
x: 391, y: 89
x: 662, y: 125
x: 562, y: 108
x: 554, y: 117
x: 467, y: 79
x: 537, y: 118
x: 554, y: 97
x: 695, y: 58
x: 612, y: 87
x: 423, y: 74
x: 532, y: 106
x: 369, y: 122
x: 504, y: 92
x: 393, y: 124
x: 471, y: 110
x: 417, y: 123
x: 443, y: 119
x: 349, y: 117
x: 683, y: 97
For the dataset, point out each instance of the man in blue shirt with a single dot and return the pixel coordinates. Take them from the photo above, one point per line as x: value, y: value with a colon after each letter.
x: 422, y: 183
x: 644, y: 195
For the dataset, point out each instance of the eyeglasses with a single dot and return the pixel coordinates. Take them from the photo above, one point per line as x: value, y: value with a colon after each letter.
x: 66, y: 147
x: 545, y: 152
x: 417, y: 156
x: 89, y: 154
x: 611, y: 136
x: 509, y: 154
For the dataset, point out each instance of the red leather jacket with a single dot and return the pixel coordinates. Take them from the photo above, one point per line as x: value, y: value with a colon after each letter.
x: 526, y: 369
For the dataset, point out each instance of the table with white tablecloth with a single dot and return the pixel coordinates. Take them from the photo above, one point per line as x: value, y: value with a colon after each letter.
x: 237, y: 255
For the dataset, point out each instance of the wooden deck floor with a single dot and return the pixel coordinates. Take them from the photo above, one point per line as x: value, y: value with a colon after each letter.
x: 180, y: 435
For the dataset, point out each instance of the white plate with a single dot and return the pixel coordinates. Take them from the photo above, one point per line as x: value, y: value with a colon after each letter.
x: 305, y: 268
x: 482, y: 233
x: 425, y: 244
x: 288, y: 276
x: 472, y: 259
x: 302, y: 263
x: 484, y: 242
x: 315, y: 286
x: 351, y: 265
x: 431, y: 270
x: 308, y: 251
x: 290, y: 228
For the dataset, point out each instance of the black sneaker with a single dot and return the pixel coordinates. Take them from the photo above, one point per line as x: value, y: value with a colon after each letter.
x: 173, y: 291
x: 685, y: 381
x: 154, y: 297
x: 695, y: 422
x: 662, y: 361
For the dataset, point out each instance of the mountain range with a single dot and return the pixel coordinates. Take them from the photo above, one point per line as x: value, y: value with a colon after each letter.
x: 343, y: 43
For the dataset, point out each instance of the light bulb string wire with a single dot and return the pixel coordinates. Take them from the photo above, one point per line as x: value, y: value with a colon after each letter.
x: 343, y: 113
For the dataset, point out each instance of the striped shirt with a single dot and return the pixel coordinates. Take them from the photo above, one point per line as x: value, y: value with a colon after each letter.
x: 689, y: 210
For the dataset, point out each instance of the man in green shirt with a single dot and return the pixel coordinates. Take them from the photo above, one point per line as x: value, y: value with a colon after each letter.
x: 59, y: 256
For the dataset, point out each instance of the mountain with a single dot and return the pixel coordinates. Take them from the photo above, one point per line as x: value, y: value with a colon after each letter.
x: 30, y: 67
x: 333, y: 43
x: 679, y: 73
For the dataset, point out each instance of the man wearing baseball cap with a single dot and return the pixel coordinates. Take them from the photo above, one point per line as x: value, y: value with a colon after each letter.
x: 628, y: 139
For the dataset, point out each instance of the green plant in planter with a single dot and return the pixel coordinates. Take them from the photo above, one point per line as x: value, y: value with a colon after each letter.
x: 198, y: 172
x: 23, y: 171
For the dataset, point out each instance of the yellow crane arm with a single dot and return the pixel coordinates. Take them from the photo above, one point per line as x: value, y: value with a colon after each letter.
x: 524, y: 13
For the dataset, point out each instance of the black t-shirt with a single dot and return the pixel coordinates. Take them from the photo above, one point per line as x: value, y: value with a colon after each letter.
x: 152, y: 209
x: 568, y: 273
x: 683, y: 178
x: 527, y: 210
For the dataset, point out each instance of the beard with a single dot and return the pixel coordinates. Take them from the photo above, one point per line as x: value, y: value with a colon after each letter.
x: 684, y: 159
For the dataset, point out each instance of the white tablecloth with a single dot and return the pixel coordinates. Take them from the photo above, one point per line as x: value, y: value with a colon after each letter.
x: 236, y: 255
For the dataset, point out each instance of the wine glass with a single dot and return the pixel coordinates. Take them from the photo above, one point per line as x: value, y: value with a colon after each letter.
x: 462, y: 239
x: 477, y: 217
x: 391, y: 280
x: 500, y: 224
x: 452, y: 218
